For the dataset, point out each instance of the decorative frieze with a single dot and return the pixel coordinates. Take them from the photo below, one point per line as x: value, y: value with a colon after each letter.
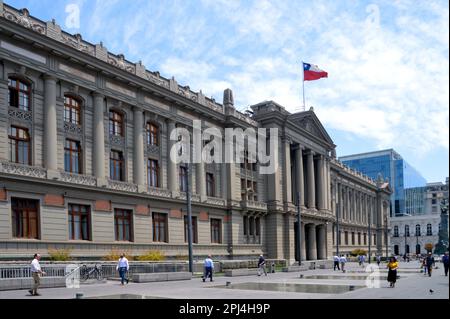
x: 216, y: 201
x: 23, y: 18
x: 73, y: 129
x: 122, y: 186
x: 120, y: 62
x: 159, y: 192
x: 117, y: 141
x: 153, y: 150
x: 78, y: 179
x: 22, y: 170
x: 77, y: 43
x: 20, y: 115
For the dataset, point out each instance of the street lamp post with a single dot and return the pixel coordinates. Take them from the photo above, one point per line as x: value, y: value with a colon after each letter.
x: 299, y: 229
x: 189, y: 212
x: 370, y: 234
x: 387, y: 236
x: 405, y: 241
x: 336, y: 204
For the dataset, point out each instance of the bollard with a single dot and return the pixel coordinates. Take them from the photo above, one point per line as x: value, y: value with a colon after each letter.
x: 273, y: 268
x: 79, y: 295
x: 352, y: 288
x: 228, y: 283
x: 301, y: 276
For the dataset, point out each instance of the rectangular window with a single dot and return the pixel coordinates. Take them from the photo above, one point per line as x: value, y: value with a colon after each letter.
x: 153, y: 173
x: 116, y: 124
x: 365, y: 239
x: 152, y: 134
x: 19, y: 145
x: 216, y: 231
x: 123, y: 224
x: 243, y: 189
x: 72, y: 156
x: 25, y: 218
x: 160, y: 228
x: 359, y: 238
x: 374, y: 239
x: 255, y: 191
x: 210, y: 185
x: 79, y: 222
x: 346, y: 237
x: 433, y: 201
x: 258, y: 226
x: 245, y: 225
x: 116, y: 166
x: 72, y: 110
x: 251, y: 222
x: 353, y: 238
x: 194, y: 230
x: 183, y: 179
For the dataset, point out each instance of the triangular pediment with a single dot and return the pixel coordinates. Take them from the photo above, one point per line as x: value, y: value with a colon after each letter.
x: 309, y: 122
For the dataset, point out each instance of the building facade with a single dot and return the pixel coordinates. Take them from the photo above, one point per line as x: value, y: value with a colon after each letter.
x: 408, y: 185
x: 85, y: 163
x: 411, y: 234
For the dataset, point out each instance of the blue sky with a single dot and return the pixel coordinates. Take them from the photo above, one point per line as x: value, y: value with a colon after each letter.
x: 388, y: 61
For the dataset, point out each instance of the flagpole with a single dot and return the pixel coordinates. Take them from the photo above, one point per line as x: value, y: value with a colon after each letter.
x: 303, y: 70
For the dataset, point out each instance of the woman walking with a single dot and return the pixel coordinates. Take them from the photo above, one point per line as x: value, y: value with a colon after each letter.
x: 392, y: 273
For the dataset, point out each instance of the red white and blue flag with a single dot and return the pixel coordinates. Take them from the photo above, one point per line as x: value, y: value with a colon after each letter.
x: 311, y: 72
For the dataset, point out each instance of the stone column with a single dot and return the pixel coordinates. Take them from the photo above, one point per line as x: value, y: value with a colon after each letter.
x: 321, y: 242
x: 50, y: 131
x: 311, y: 184
x: 312, y: 244
x: 138, y: 160
x: 303, y: 246
x: 200, y: 180
x: 287, y: 171
x: 172, y: 184
x: 320, y: 183
x: 99, y: 137
x: 299, y: 175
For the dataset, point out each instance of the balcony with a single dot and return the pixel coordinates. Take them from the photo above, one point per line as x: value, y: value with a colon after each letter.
x: 253, y: 205
x: 22, y: 170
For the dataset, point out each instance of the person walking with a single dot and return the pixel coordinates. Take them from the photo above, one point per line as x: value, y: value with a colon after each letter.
x: 36, y: 272
x: 209, y: 267
x: 378, y: 260
x: 392, y: 271
x: 430, y: 263
x: 445, y: 262
x: 343, y: 260
x: 336, y: 262
x: 424, y: 266
x: 363, y: 259
x: 123, y: 266
x: 261, y: 265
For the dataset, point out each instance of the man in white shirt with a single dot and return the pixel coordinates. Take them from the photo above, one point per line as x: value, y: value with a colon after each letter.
x: 123, y: 267
x: 343, y: 260
x: 35, y: 272
x: 336, y: 262
x: 209, y: 268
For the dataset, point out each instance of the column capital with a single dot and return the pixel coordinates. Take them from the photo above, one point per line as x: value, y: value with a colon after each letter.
x: 97, y: 94
x: 310, y: 152
x: 49, y: 77
x: 137, y: 108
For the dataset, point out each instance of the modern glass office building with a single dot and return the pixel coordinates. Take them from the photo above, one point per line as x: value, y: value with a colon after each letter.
x: 408, y: 185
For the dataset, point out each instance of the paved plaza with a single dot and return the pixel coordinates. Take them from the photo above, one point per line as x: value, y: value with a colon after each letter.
x: 411, y: 285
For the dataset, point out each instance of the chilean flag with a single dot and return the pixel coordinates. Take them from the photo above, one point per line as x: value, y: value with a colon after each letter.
x: 312, y: 72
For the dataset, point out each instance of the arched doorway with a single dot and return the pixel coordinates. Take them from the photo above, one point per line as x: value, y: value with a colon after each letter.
x: 407, y: 249
x: 396, y: 252
x: 417, y: 249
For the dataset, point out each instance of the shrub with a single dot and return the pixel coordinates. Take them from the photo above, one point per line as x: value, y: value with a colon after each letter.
x: 358, y: 252
x: 59, y: 254
x: 115, y: 254
x: 152, y: 255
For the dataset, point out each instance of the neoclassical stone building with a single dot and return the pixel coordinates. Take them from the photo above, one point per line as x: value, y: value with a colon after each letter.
x: 84, y: 163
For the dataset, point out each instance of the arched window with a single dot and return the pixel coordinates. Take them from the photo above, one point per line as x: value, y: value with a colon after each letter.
x: 417, y: 230
x: 429, y: 230
x: 72, y: 110
x: 395, y: 231
x: 152, y: 134
x: 407, y: 230
x: 116, y: 123
x: 19, y: 93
